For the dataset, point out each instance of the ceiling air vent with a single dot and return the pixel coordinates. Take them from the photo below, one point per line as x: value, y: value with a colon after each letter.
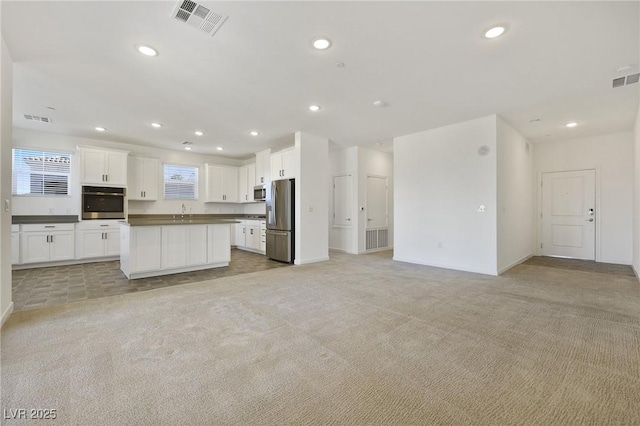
x: 198, y: 16
x: 31, y: 117
x: 630, y: 79
x: 633, y: 78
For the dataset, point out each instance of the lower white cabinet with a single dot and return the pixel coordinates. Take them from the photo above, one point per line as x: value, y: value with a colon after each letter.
x: 15, y: 244
x: 147, y: 251
x: 47, y: 243
x: 218, y: 244
x: 249, y: 235
x: 184, y: 245
x: 263, y: 236
x: 97, y: 239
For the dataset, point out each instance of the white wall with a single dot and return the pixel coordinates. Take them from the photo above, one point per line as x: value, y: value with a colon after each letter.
x: 636, y: 204
x: 344, y: 162
x: 515, y: 197
x: 312, y: 208
x: 26, y: 205
x: 612, y: 157
x: 6, y: 118
x: 440, y: 180
x: 373, y: 163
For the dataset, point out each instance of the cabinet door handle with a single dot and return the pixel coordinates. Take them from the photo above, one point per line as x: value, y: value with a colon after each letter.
x: 244, y: 231
x: 52, y: 238
x: 104, y: 225
x: 49, y: 226
x: 47, y: 238
x: 251, y: 230
x: 106, y: 178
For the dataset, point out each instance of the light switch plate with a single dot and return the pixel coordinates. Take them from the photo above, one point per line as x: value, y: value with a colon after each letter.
x: 7, y: 205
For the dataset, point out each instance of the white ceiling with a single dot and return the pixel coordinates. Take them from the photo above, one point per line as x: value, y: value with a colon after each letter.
x: 427, y: 60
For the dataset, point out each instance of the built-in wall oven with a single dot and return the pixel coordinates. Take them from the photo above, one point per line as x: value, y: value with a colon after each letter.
x: 101, y: 202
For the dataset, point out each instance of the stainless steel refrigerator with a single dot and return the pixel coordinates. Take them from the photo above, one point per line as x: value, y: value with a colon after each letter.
x: 280, y: 220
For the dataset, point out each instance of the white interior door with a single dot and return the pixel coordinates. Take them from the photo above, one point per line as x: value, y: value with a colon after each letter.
x: 342, y: 198
x: 376, y: 202
x: 568, y: 214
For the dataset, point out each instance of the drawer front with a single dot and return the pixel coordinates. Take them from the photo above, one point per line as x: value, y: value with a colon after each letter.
x: 48, y: 227
x: 15, y: 228
x: 252, y: 222
x: 99, y: 224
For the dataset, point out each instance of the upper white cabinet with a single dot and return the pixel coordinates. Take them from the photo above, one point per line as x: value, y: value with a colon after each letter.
x: 143, y: 178
x: 263, y: 165
x: 103, y: 166
x: 247, y: 178
x: 222, y: 184
x: 284, y: 164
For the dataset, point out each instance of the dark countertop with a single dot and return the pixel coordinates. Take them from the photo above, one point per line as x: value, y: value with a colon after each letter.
x: 178, y: 221
x: 39, y: 219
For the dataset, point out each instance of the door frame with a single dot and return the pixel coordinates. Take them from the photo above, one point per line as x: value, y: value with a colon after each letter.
x: 538, y: 205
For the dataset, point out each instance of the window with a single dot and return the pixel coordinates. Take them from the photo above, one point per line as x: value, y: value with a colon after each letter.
x: 40, y: 172
x: 180, y: 182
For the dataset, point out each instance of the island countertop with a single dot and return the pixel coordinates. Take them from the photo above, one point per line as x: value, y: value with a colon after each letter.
x: 178, y: 221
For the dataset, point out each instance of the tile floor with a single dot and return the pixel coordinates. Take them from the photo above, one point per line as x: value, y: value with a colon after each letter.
x: 581, y: 265
x: 38, y: 287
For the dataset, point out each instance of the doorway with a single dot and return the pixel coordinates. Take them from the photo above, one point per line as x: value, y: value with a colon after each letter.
x: 568, y: 214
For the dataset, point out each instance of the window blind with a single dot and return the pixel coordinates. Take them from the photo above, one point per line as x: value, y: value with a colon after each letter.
x: 40, y: 172
x: 180, y: 182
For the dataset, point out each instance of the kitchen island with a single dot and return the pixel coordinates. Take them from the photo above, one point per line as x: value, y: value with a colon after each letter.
x: 151, y: 247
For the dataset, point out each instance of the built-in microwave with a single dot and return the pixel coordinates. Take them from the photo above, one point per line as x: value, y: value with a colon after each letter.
x: 259, y: 193
x: 100, y: 202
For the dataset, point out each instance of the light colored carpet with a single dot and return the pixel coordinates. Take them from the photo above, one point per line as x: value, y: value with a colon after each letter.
x: 355, y: 340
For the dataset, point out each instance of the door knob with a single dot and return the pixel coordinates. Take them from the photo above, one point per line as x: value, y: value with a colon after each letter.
x: 589, y: 220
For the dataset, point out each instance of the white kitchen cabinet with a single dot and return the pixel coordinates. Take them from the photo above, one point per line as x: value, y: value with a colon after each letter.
x: 47, y: 243
x: 263, y: 165
x: 218, y: 243
x: 104, y: 167
x: 143, y: 176
x: 221, y: 183
x: 140, y: 249
x: 252, y: 235
x: 239, y: 234
x: 15, y: 244
x: 248, y: 235
x: 184, y: 245
x: 284, y: 164
x: 247, y: 178
x: 148, y: 251
x: 95, y: 239
x: 263, y: 236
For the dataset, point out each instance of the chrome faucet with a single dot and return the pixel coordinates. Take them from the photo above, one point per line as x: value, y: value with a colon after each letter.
x: 183, y: 210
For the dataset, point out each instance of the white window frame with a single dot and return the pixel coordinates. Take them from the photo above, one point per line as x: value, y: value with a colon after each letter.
x: 177, y: 167
x: 16, y: 173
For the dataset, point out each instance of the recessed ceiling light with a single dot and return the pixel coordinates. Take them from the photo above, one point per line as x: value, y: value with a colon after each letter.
x: 51, y: 108
x: 147, y: 50
x: 340, y: 64
x: 534, y: 120
x: 156, y: 125
x: 624, y: 68
x: 219, y: 148
x: 254, y: 133
x: 101, y: 129
x: 572, y: 124
x: 321, y: 43
x: 188, y: 148
x: 495, y: 32
x: 380, y: 103
x: 198, y: 133
x: 314, y: 108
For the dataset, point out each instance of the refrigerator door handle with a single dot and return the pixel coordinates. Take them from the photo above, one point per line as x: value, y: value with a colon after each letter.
x: 269, y: 231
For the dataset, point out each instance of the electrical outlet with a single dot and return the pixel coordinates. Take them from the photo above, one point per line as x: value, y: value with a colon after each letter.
x: 310, y: 209
x: 7, y: 205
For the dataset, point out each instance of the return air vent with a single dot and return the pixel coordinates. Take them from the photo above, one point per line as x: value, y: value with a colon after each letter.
x: 198, y: 16
x: 630, y: 79
x: 377, y: 239
x: 31, y: 117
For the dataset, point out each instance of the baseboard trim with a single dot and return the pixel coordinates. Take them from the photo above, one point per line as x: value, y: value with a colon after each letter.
x: 444, y: 266
x: 304, y: 262
x: 342, y: 250
x: 6, y: 313
x: 19, y: 266
x: 635, y: 271
x: 516, y: 263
